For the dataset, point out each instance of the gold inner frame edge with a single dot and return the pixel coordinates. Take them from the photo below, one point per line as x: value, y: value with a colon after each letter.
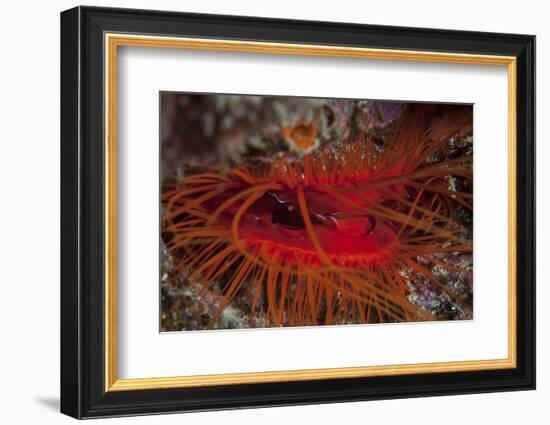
x: 111, y: 43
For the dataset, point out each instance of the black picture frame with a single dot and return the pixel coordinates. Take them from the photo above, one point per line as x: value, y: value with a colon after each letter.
x: 83, y: 392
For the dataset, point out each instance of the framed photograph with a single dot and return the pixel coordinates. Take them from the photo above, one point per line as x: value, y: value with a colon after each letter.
x: 261, y: 212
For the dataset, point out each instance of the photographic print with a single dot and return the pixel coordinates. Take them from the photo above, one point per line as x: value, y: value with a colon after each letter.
x: 197, y: 211
x: 289, y: 211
